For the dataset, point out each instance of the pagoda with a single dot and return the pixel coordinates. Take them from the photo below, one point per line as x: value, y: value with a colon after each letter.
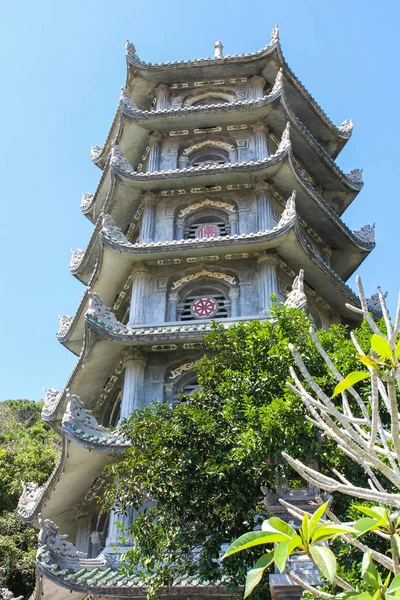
x: 219, y: 190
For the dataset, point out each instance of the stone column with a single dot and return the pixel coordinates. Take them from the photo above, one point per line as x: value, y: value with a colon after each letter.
x: 180, y: 229
x: 140, y: 288
x: 148, y: 218
x: 234, y: 223
x: 260, y: 136
x: 267, y: 264
x: 132, y: 394
x: 265, y: 215
x: 155, y: 151
x: 162, y: 96
x: 234, y: 298
x: 173, y: 300
x: 257, y: 85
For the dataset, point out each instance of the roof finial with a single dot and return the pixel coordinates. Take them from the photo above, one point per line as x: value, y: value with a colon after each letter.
x: 218, y: 47
x: 274, y: 35
x: 131, y: 50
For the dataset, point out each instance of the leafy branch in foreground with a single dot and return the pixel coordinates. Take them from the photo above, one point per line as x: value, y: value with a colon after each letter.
x: 366, y: 431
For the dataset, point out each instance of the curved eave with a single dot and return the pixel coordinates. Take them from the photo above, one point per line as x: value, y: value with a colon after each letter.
x: 113, y: 584
x: 266, y: 62
x: 75, y: 475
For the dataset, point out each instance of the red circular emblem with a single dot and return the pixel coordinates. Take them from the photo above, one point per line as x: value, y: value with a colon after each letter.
x: 204, y: 307
x: 207, y: 231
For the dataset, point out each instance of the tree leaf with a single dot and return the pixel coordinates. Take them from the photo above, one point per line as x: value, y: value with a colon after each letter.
x: 325, y: 561
x: 284, y: 550
x: 255, y: 574
x: 376, y: 512
x: 326, y: 532
x: 369, y: 571
x: 255, y: 538
x: 395, y: 584
x: 367, y: 361
x: 366, y: 524
x: 317, y: 516
x: 381, y: 346
x: 280, y: 525
x: 398, y: 349
x: 349, y: 381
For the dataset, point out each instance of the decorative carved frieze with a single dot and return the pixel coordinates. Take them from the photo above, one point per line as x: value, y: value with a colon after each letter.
x: 219, y: 143
x: 64, y: 326
x: 366, y: 234
x: 346, y: 126
x: 297, y: 297
x: 203, y: 273
x: 207, y: 202
x: 119, y: 162
x: 76, y: 259
x: 31, y: 492
x: 189, y: 366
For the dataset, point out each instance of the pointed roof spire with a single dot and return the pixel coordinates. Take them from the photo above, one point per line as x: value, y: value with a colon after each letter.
x: 218, y: 47
x: 274, y: 35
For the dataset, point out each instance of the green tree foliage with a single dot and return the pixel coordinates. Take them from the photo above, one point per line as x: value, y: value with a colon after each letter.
x: 28, y: 452
x: 204, y: 462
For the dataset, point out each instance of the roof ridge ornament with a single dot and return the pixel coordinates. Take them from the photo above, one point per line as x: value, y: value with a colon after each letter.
x: 31, y: 492
x: 346, y: 126
x: 274, y: 35
x: 80, y: 422
x: 297, y: 297
x: 76, y: 258
x: 278, y: 84
x: 126, y: 102
x: 119, y: 162
x: 218, y: 47
x: 374, y: 303
x: 65, y: 324
x: 111, y: 232
x: 50, y: 400
x: 355, y: 176
x: 366, y: 233
x: 289, y: 212
x: 53, y: 547
x: 95, y: 152
x: 86, y: 201
x: 102, y: 315
x: 285, y: 143
x: 130, y: 50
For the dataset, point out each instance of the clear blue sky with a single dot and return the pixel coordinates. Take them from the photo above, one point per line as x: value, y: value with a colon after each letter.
x: 62, y: 66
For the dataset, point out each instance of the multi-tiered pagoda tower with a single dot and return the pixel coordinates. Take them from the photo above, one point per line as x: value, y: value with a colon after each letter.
x: 219, y: 189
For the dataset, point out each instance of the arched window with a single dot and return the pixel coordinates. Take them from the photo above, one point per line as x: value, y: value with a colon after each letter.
x: 187, y: 387
x: 209, y: 157
x: 205, y: 225
x: 204, y: 301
